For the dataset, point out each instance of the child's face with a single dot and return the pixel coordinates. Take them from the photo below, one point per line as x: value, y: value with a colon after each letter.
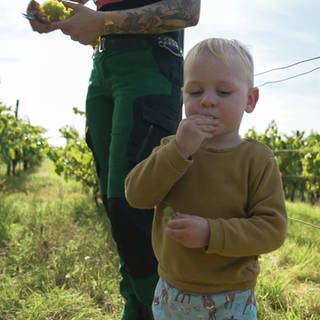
x: 219, y: 90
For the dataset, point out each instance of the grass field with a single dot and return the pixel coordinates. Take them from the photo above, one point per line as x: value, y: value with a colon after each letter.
x: 58, y: 260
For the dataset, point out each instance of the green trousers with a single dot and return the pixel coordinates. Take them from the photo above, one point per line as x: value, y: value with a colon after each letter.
x: 133, y: 101
x: 138, y: 293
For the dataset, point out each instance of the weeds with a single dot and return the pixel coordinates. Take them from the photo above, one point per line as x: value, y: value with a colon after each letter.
x: 58, y: 260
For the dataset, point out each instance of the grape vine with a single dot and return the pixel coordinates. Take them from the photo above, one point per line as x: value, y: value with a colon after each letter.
x: 22, y: 145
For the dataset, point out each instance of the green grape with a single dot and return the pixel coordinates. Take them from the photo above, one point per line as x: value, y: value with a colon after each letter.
x: 55, y: 10
x: 168, y: 213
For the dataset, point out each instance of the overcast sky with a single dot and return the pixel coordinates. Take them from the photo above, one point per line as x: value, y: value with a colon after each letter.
x: 49, y: 73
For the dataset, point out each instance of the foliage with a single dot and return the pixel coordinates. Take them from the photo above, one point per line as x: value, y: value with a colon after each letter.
x: 20, y: 142
x: 299, y: 161
x: 75, y: 160
x: 58, y: 259
x: 297, y: 155
x: 289, y: 285
x: 311, y: 167
x: 59, y: 262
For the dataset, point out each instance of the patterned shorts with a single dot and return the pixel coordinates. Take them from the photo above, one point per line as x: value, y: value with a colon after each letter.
x: 171, y: 303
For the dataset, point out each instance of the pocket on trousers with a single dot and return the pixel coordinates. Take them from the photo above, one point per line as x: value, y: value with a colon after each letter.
x: 170, y: 65
x: 154, y: 117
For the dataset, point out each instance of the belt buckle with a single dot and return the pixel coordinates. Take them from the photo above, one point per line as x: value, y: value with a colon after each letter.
x: 102, y: 43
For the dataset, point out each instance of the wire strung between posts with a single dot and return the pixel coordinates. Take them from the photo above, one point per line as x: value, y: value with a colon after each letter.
x: 304, y: 222
x: 285, y: 67
x: 285, y: 79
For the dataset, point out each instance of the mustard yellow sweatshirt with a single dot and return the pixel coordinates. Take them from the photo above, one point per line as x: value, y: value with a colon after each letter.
x: 238, y: 190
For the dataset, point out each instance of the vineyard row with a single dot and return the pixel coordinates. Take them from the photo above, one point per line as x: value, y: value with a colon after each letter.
x: 23, y: 146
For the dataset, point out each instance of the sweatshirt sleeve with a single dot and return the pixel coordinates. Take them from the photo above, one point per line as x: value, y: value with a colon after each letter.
x: 150, y: 180
x: 265, y: 227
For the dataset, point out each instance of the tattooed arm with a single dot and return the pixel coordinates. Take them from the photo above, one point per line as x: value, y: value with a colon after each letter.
x: 159, y: 17
x: 86, y: 25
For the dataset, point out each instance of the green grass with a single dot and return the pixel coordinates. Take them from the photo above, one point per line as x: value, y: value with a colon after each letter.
x: 58, y: 260
x: 289, y: 285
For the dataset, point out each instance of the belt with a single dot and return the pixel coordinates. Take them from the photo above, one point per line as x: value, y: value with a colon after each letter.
x: 134, y: 42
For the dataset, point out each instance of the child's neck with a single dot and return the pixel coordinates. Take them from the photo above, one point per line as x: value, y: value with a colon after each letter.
x: 223, y: 142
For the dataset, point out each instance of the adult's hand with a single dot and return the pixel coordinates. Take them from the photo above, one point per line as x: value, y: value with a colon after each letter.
x: 85, y: 25
x: 42, y: 26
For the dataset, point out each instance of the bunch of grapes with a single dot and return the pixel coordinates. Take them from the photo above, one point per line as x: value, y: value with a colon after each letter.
x: 168, y: 213
x: 54, y: 10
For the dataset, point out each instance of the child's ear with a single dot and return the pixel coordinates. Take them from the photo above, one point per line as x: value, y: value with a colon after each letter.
x: 253, y: 97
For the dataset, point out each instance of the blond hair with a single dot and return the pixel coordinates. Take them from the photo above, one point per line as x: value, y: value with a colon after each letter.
x: 223, y: 49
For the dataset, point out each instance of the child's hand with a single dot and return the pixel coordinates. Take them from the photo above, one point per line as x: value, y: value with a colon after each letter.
x: 192, y: 131
x: 190, y: 231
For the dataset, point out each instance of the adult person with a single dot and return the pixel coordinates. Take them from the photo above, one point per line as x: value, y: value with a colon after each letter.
x: 133, y: 100
x: 226, y: 192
